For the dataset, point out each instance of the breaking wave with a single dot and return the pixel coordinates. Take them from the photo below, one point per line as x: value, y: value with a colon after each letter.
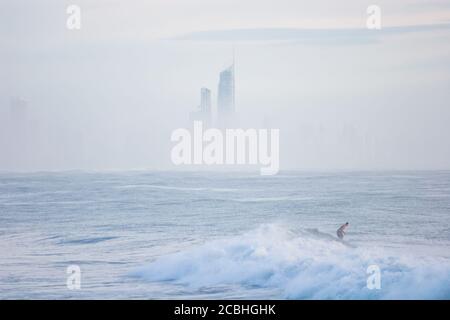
x: 301, y: 265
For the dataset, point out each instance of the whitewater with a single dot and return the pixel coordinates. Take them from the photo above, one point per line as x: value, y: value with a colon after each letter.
x: 301, y: 266
x: 172, y: 235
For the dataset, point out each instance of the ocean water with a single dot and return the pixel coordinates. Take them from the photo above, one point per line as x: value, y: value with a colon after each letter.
x: 174, y: 235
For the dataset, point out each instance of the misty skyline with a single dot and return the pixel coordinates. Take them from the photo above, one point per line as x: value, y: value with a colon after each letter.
x: 109, y: 95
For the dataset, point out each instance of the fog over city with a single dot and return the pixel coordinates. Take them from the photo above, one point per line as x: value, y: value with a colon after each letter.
x: 108, y: 96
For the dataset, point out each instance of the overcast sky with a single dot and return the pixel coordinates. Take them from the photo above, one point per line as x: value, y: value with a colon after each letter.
x: 109, y: 95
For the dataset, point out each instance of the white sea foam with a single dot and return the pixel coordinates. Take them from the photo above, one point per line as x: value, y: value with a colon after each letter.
x: 305, y: 265
x: 154, y: 186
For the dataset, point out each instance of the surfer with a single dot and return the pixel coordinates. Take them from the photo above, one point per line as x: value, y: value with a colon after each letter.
x: 341, y: 231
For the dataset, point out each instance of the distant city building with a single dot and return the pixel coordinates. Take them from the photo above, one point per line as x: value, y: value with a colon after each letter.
x: 205, y: 100
x: 225, y: 101
x: 18, y: 107
x: 204, y: 112
x: 18, y: 113
x: 225, y: 96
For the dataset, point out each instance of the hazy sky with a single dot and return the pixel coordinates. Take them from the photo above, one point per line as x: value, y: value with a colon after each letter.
x: 109, y: 95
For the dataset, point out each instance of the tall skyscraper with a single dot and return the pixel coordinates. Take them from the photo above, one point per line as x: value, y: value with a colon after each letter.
x: 205, y: 100
x: 204, y: 112
x: 18, y: 108
x: 225, y: 96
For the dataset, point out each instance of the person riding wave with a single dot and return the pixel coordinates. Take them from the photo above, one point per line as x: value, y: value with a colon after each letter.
x: 341, y: 231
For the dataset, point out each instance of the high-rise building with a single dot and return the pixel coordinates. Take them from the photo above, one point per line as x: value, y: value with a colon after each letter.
x: 225, y: 96
x: 18, y: 108
x: 204, y: 112
x: 205, y: 100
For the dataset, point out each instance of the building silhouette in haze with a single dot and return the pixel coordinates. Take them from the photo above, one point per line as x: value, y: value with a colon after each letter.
x: 225, y: 96
x: 204, y: 112
x: 225, y: 101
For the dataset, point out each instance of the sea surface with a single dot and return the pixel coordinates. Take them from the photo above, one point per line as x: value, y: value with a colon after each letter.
x: 222, y: 235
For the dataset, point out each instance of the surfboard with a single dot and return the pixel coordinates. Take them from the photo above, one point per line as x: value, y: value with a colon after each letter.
x: 327, y: 236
